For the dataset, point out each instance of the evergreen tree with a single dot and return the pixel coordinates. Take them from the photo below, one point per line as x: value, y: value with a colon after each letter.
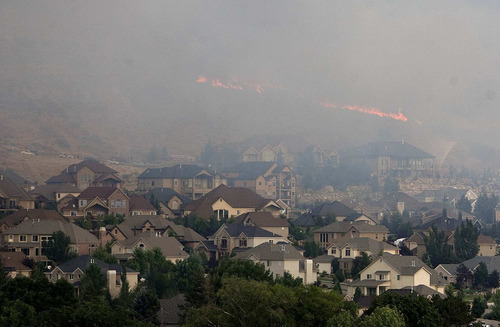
x: 58, y: 248
x: 493, y: 279
x: 464, y: 204
x: 466, y: 246
x: 437, y: 247
x: 478, y: 307
x: 481, y: 275
x: 464, y: 276
x: 384, y: 316
x: 93, y: 282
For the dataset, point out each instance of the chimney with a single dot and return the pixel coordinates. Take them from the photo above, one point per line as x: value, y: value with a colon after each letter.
x: 113, y: 288
x: 401, y: 207
x: 309, y: 275
x: 102, y: 235
x: 1, y: 177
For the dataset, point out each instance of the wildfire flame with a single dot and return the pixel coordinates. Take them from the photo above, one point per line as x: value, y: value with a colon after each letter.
x: 215, y: 82
x: 368, y: 110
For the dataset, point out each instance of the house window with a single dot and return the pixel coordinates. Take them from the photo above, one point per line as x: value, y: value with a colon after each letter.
x: 112, y: 203
x: 11, y: 237
x: 71, y: 277
x: 73, y: 213
x: 223, y: 243
x: 323, y: 237
x: 58, y: 195
x: 175, y: 183
x: 243, y: 243
x: 368, y: 276
x: 118, y: 203
x: 124, y: 203
x: 152, y: 183
x: 399, y: 277
x: 22, y: 238
x: 83, y: 203
x: 334, y: 250
x: 268, y: 263
x: 58, y: 276
x: 34, y: 238
x: 380, y: 277
x: 260, y: 183
x: 376, y: 236
x: 348, y: 252
x: 37, y: 252
x: 141, y: 245
x: 346, y: 265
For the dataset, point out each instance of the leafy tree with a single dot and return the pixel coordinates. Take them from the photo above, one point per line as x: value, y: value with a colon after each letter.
x: 340, y: 275
x: 93, y: 282
x: 466, y: 246
x: 357, y: 294
x: 464, y: 275
x: 288, y: 280
x: 312, y: 249
x: 493, y: 279
x: 317, y: 306
x: 454, y: 310
x: 335, y: 265
x: 478, y: 307
x: 464, y: 204
x: 146, y: 304
x: 58, y: 249
x: 484, y: 209
x: 384, y: 316
x: 359, y: 264
x: 239, y: 268
x: 495, y: 310
x: 84, y: 223
x: 344, y: 319
x: 437, y: 247
x: 17, y: 313
x: 103, y: 253
x: 481, y: 275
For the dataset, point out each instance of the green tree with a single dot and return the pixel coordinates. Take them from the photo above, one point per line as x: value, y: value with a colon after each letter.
x: 357, y: 294
x: 466, y: 246
x: 478, y: 307
x: 437, y: 247
x: 481, y: 275
x: 384, y: 316
x: 93, y: 282
x: 17, y: 313
x: 464, y: 276
x: 454, y: 310
x: 146, y: 305
x: 359, y: 264
x: 58, y: 248
x: 484, y: 209
x: 239, y: 268
x: 103, y: 253
x: 493, y: 279
x: 312, y: 249
x: 344, y: 319
x: 464, y: 204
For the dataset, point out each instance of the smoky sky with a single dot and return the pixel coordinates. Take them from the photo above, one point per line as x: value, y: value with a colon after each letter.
x: 436, y: 61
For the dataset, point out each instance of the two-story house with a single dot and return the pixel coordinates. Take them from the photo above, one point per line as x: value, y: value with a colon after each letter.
x: 268, y: 179
x: 396, y: 272
x: 31, y: 215
x: 140, y: 206
x: 281, y: 258
x: 98, y: 201
x: 50, y: 195
x: 189, y: 180
x: 74, y: 269
x: 226, y: 202
x: 264, y: 220
x: 170, y: 202
x: 86, y: 174
x: 28, y: 237
x: 345, y: 230
x: 236, y: 237
x: 13, y: 196
x: 340, y: 210
x: 170, y: 247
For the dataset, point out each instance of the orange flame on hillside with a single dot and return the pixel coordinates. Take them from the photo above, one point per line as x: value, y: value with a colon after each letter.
x: 368, y: 110
x: 216, y: 83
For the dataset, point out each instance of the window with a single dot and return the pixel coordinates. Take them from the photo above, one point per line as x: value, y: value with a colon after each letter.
x: 37, y: 252
x: 380, y: 277
x: 112, y: 203
x: 73, y: 213
x: 223, y: 243
x: 323, y: 237
x: 368, y: 276
x: 243, y: 243
x: 260, y: 183
x: 22, y: 238
x: 58, y: 276
x: 175, y: 183
x: 348, y: 252
x: 83, y: 203
x: 376, y: 236
x: 152, y: 183
x: 141, y: 245
x: 124, y: 203
x: 11, y: 237
x: 334, y: 250
x: 58, y: 195
x: 399, y: 277
x: 237, y: 212
x: 118, y: 203
x: 71, y: 277
x: 34, y: 238
x: 268, y: 263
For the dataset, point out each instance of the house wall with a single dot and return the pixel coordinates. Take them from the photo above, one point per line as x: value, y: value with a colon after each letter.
x: 283, y: 231
x: 487, y: 250
x: 445, y: 274
x: 256, y: 241
x: 119, y: 195
x: 81, y: 184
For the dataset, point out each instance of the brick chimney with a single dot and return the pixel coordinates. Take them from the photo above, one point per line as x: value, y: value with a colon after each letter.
x: 102, y: 235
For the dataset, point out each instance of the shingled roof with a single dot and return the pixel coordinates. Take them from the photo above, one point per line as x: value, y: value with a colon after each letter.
x: 178, y: 171
x: 368, y: 244
x: 305, y: 220
x: 395, y: 150
x: 34, y: 215
x: 101, y: 192
x: 336, y: 207
x: 84, y: 261
x: 9, y: 189
x: 164, y: 195
x: 344, y: 226
x: 169, y: 246
x: 64, y: 177
x: 235, y: 230
x: 93, y: 165
x: 47, y: 227
x: 261, y: 219
x: 250, y: 170
x: 140, y: 203
x: 271, y: 251
x: 49, y: 191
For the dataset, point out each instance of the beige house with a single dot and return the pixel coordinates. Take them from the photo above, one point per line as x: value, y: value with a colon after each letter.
x: 73, y: 271
x: 50, y: 195
x: 28, y: 238
x: 189, y: 180
x: 359, y: 217
x: 86, y: 174
x: 487, y: 246
x: 264, y: 220
x: 341, y: 232
x: 281, y: 258
x: 395, y: 272
x: 13, y: 197
x: 355, y: 247
x: 170, y: 247
x: 226, y: 202
x: 236, y: 236
x: 97, y: 201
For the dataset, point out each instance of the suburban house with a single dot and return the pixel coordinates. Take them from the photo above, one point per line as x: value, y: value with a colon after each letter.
x: 236, y: 237
x: 265, y: 152
x: 13, y: 196
x: 137, y: 225
x: 189, y: 180
x: 28, y: 237
x: 17, y: 179
x: 98, y: 201
x: 49, y: 195
x: 13, y: 264
x: 397, y: 159
x: 74, y: 269
x: 340, y: 232
x: 225, y: 202
x: 264, y: 220
x: 391, y: 271
x: 86, y: 174
x: 340, y: 210
x: 355, y: 247
x: 449, y: 271
x: 400, y: 202
x: 170, y: 202
x: 305, y: 220
x: 280, y: 259
x: 139, y: 206
x: 268, y: 179
x: 359, y: 217
x: 170, y: 247
x: 448, y: 193
x: 33, y: 215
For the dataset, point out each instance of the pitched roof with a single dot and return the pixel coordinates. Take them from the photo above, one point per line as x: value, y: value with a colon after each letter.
x: 236, y: 197
x: 305, y: 220
x: 441, y: 223
x: 13, y: 261
x: 368, y: 244
x: 250, y: 170
x: 172, y: 310
x: 46, y: 227
x: 391, y: 201
x: 15, y: 177
x: 336, y: 207
x: 9, y: 189
x: 49, y: 191
x: 261, y: 219
x: 484, y: 239
x: 450, y: 267
x: 178, y: 171
x: 235, y: 230
x: 140, y: 203
x: 271, y: 251
x: 396, y: 150
x: 492, y: 263
x: 64, y: 177
x: 32, y: 214
x: 344, y: 226
x: 165, y: 194
x: 101, y: 192
x: 84, y: 261
x: 93, y: 165
x: 169, y: 246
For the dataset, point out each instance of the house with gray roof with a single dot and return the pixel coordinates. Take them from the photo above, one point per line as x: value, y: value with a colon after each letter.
x: 390, y: 271
x: 74, y: 269
x: 337, y: 208
x: 343, y: 231
x: 170, y: 202
x: 49, y: 195
x: 280, y: 258
x: 13, y: 196
x: 449, y: 271
x: 264, y: 220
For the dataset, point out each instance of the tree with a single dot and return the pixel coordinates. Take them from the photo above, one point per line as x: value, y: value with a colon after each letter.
x: 58, y: 249
x: 481, y: 275
x: 344, y: 319
x: 384, y: 316
x: 464, y: 276
x: 493, y: 279
x: 391, y: 185
x: 17, y: 313
x: 239, y: 268
x: 146, y: 305
x: 312, y: 249
x: 357, y: 294
x: 478, y: 307
x: 359, y: 264
x: 437, y: 247
x: 466, y: 246
x: 454, y: 310
x: 484, y: 209
x: 103, y: 253
x: 93, y: 282
x: 464, y: 204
